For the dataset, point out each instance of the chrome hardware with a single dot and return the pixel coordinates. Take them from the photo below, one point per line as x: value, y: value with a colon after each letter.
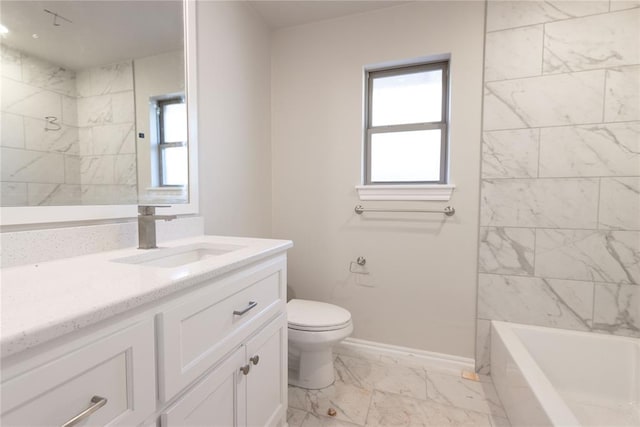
x: 255, y: 359
x: 245, y: 369
x: 147, y: 225
x: 247, y: 308
x: 448, y: 211
x: 361, y: 261
x: 97, y: 402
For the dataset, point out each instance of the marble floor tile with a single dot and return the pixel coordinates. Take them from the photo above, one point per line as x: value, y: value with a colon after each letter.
x: 350, y: 402
x: 300, y: 418
x: 456, y: 391
x: 389, y: 409
x: 389, y: 377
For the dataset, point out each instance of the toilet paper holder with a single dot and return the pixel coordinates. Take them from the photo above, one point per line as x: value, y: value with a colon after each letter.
x: 360, y: 261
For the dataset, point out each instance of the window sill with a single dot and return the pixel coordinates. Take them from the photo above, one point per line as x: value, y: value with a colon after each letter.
x: 434, y: 192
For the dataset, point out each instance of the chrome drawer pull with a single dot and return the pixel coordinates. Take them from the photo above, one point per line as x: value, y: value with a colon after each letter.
x: 245, y: 369
x: 97, y: 403
x: 255, y: 359
x: 247, y: 308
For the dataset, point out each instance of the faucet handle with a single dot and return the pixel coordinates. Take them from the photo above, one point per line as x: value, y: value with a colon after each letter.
x: 150, y: 209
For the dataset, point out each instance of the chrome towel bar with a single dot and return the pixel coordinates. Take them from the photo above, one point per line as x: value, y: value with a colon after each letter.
x: 448, y: 211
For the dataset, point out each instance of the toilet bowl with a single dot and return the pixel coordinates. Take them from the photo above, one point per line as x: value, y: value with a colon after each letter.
x: 314, y: 328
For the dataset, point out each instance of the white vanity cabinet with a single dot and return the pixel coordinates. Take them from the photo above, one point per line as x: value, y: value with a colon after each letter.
x: 246, y: 389
x: 105, y: 378
x: 212, y: 352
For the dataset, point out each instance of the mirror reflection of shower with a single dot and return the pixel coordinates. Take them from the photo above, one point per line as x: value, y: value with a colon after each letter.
x: 70, y: 111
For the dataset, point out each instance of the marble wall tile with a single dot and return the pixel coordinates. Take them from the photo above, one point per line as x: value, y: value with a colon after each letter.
x: 100, y: 194
x: 510, y: 14
x: 571, y: 98
x: 72, y: 169
x: 506, y: 250
x: 97, y: 169
x: 11, y: 63
x: 44, y: 74
x: 510, y: 154
x: 113, y: 139
x: 591, y: 150
x: 603, y: 256
x: 37, y: 138
x: 30, y: 101
x: 620, y: 203
x: 536, y: 301
x: 31, y: 166
x: 513, y: 53
x: 106, y: 79
x: 599, y: 41
x: 566, y: 203
x: 125, y: 171
x: 13, y: 194
x: 483, y: 347
x: 617, y: 309
x: 123, y: 104
x: 622, y: 99
x: 624, y: 4
x: 12, y: 127
x: 95, y: 110
x: 54, y: 194
x: 70, y: 111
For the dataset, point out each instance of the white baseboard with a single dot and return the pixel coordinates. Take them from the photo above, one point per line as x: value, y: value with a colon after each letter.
x: 404, y: 356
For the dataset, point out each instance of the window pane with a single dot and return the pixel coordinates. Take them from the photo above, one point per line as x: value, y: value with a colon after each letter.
x: 174, y: 166
x: 175, y: 122
x: 407, y: 98
x: 405, y: 156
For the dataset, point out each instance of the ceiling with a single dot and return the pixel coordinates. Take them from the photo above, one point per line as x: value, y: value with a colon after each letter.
x: 279, y: 14
x: 108, y: 31
x: 101, y: 32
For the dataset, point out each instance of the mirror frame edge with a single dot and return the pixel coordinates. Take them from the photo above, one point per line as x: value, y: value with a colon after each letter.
x: 31, y: 215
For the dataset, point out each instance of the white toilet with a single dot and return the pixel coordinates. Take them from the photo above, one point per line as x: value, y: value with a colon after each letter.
x: 314, y: 328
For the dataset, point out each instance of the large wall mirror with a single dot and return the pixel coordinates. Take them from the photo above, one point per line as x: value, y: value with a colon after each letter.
x: 94, y: 104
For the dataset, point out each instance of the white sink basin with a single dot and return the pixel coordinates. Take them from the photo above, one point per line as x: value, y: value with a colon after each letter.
x: 180, y: 255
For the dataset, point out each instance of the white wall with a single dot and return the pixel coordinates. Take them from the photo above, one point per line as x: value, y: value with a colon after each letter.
x: 234, y: 120
x: 422, y: 288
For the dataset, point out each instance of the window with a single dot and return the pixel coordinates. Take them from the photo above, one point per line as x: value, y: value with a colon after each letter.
x: 406, y: 125
x: 172, y: 142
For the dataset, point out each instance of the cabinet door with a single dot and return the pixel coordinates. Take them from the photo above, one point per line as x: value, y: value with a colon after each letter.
x: 267, y: 379
x: 218, y: 400
x: 113, y: 375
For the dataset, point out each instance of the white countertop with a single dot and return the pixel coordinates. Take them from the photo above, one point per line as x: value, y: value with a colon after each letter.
x: 43, y: 301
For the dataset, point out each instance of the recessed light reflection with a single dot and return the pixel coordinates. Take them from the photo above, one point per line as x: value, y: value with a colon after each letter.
x: 35, y: 36
x: 3, y: 29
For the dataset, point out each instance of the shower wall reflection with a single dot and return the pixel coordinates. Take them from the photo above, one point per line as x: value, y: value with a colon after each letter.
x: 68, y: 137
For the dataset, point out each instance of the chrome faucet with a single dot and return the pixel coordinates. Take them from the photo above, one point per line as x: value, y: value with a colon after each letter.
x: 147, y: 225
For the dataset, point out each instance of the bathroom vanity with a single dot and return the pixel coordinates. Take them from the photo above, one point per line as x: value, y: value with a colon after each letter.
x: 194, y: 333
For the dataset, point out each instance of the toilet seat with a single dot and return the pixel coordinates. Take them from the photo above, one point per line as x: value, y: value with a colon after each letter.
x: 314, y: 316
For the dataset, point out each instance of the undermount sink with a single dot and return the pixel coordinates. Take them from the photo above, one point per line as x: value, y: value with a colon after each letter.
x: 180, y: 255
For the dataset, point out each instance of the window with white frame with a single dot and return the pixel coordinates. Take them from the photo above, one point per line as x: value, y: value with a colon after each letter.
x: 406, y: 125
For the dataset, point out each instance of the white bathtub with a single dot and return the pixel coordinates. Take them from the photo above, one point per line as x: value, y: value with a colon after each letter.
x: 555, y: 377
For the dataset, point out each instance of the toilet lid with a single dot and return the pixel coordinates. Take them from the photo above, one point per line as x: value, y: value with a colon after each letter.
x: 314, y: 314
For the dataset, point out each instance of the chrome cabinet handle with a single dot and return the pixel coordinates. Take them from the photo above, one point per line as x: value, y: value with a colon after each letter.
x: 247, y: 308
x: 97, y: 403
x: 245, y: 369
x: 255, y: 359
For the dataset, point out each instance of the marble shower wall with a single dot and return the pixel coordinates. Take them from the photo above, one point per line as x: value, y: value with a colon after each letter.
x: 37, y: 165
x: 106, y: 121
x: 84, y: 153
x: 560, y: 196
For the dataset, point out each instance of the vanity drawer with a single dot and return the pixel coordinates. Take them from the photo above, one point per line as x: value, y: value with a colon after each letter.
x: 118, y: 367
x: 205, y: 325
